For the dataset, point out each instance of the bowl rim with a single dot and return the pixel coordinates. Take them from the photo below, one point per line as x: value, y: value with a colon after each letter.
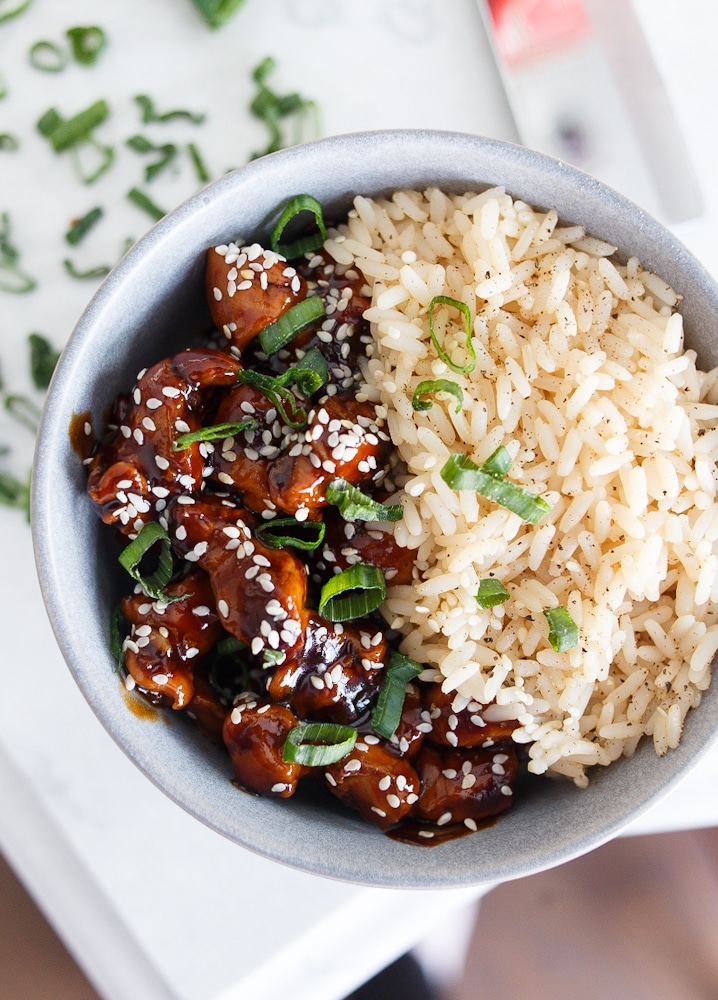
x: 49, y: 553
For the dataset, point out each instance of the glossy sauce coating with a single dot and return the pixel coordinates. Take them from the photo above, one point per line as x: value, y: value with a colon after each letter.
x: 233, y: 585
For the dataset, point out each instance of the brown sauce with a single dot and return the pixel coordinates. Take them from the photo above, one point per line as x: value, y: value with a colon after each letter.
x: 429, y: 835
x: 81, y: 442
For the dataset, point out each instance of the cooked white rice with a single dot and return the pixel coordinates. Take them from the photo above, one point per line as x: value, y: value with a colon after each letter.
x: 581, y: 374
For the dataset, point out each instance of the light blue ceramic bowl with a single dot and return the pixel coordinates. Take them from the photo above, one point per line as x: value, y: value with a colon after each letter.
x: 142, y: 312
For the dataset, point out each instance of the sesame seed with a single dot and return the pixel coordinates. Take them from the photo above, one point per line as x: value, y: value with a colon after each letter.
x: 257, y: 645
x: 217, y: 294
x: 378, y: 811
x: 444, y: 819
x: 385, y: 783
x: 160, y: 679
x: 427, y: 834
x: 506, y: 790
x: 394, y: 801
x: 352, y: 765
x: 223, y: 608
x: 161, y: 462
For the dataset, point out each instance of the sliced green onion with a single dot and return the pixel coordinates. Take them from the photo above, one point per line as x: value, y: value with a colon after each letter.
x: 229, y: 645
x: 282, y: 398
x: 491, y: 593
x: 272, y: 657
x: 150, y: 114
x: 81, y: 227
x: 498, y: 463
x: 357, y: 506
x: 14, y: 492
x: 48, y: 122
x: 131, y: 557
x: 24, y: 411
x: 217, y: 12
x: 43, y: 358
x: 390, y: 703
x: 309, y: 374
x: 317, y: 744
x: 354, y: 592
x: 47, y: 57
x: 436, y: 385
x: 200, y: 169
x: 563, y: 630
x: 465, y: 312
x: 141, y: 200
x: 63, y: 133
x: 88, y: 173
x: 273, y: 337
x: 116, y: 621
x: 99, y: 271
x: 12, y: 277
x: 275, y: 539
x: 5, y: 15
x: 460, y: 473
x: 213, y: 433
x: 8, y: 143
x: 86, y: 44
x: 167, y: 151
x: 296, y: 207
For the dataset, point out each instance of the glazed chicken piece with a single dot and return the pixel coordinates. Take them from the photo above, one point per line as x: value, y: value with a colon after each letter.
x: 413, y: 726
x: 207, y: 709
x: 136, y: 468
x: 255, y: 733
x: 466, y: 728
x: 343, y: 440
x: 165, y: 639
x: 260, y: 591
x: 242, y: 463
x: 247, y: 289
x: 348, y: 542
x: 334, y: 675
x: 460, y: 785
x: 379, y: 785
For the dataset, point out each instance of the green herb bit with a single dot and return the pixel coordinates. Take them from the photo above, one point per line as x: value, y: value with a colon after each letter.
x: 12, y: 278
x: 89, y: 174
x: 309, y: 374
x: 203, y: 174
x: 460, y: 473
x: 215, y: 432
x: 563, y: 630
x: 498, y: 463
x: 48, y: 57
x: 301, y: 204
x: 8, y: 143
x: 436, y: 385
x: 390, y: 702
x: 272, y: 108
x: 91, y: 273
x: 3, y: 87
x: 86, y: 44
x: 301, y: 315
x: 117, y: 621
x: 353, y: 593
x: 5, y: 15
x: 15, y: 493
x: 81, y: 227
x: 282, y: 398
x: 167, y: 151
x: 273, y: 533
x: 491, y: 593
x: 131, y: 558
x: 141, y: 200
x: 466, y: 314
x: 43, y: 358
x: 354, y: 505
x: 272, y: 658
x: 150, y: 114
x: 64, y: 133
x: 217, y: 12
x: 316, y: 744
x: 24, y: 411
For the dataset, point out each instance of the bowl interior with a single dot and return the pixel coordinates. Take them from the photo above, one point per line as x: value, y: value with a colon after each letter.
x: 152, y: 305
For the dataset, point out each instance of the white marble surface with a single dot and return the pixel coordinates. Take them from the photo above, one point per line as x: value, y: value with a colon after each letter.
x: 153, y: 904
